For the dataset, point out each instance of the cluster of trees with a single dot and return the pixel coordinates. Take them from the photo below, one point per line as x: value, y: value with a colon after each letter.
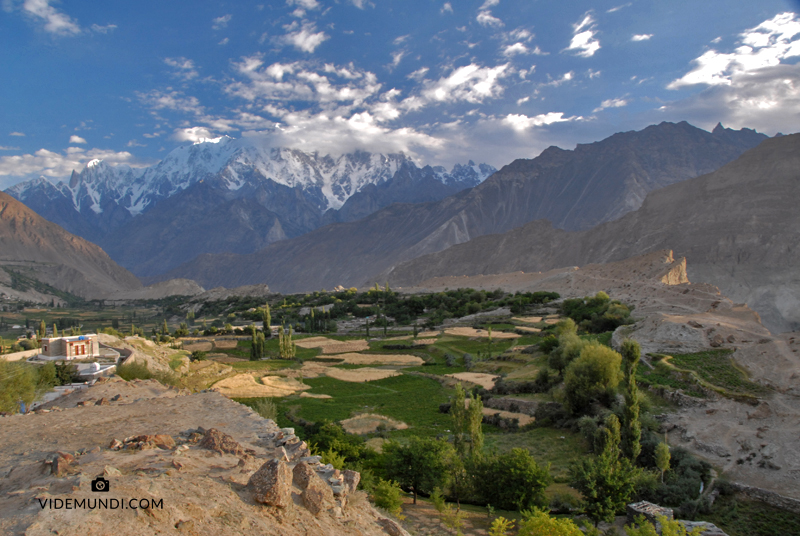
x: 597, y: 314
x: 26, y: 382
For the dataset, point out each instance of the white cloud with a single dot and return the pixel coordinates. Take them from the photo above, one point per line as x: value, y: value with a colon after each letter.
x: 359, y: 3
x: 104, y: 29
x: 517, y: 48
x: 584, y: 43
x: 184, y: 68
x: 593, y: 74
x: 617, y: 8
x: 470, y: 83
x: 224, y: 41
x: 419, y: 74
x: 717, y: 40
x: 76, y: 139
x: 566, y: 77
x: 610, y: 103
x: 489, y: 3
x: 20, y: 134
x: 170, y: 100
x: 305, y: 38
x: 57, y: 165
x: 641, y: 37
x: 446, y: 8
x: 5, y: 148
x: 521, y: 122
x: 134, y: 143
x: 763, y: 46
x: 400, y: 40
x: 305, y: 4
x: 193, y: 134
x: 485, y: 18
x: 221, y: 22
x: 397, y: 57
x: 55, y: 22
x: 522, y: 101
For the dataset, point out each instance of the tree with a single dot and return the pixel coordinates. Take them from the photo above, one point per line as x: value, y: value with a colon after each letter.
x: 386, y: 495
x: 513, y: 480
x: 632, y: 427
x: 594, y: 376
x: 286, y: 348
x: 473, y: 425
x: 266, y: 318
x: 420, y: 466
x: 663, y: 458
x: 257, y: 346
x: 165, y: 328
x: 606, y: 480
x: 458, y: 413
x: 55, y: 330
x: 568, y: 350
x: 42, y: 330
x: 501, y: 527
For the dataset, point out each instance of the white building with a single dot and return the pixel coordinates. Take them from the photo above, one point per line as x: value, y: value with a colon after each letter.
x: 68, y: 348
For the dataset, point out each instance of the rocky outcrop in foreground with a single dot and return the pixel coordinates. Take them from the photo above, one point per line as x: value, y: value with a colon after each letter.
x: 169, y: 462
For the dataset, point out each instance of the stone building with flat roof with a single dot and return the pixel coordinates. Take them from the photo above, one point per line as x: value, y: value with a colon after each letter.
x: 68, y: 348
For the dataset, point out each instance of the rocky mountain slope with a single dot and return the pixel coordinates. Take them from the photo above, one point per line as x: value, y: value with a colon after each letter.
x: 191, y: 464
x: 40, y: 250
x: 738, y: 227
x: 226, y: 195
x: 577, y: 189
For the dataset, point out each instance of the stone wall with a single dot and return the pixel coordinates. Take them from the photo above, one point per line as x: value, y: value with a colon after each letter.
x: 769, y: 497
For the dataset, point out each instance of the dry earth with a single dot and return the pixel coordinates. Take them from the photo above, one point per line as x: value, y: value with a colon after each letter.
x: 366, y: 374
x: 201, y: 491
x: 528, y: 319
x: 380, y: 359
x: 484, y: 380
x: 754, y: 446
x: 472, y: 332
x: 246, y: 386
x: 367, y: 423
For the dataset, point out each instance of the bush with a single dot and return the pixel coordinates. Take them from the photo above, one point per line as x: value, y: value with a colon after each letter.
x: 593, y: 377
x: 387, y: 495
x: 450, y: 360
x: 513, y: 481
x: 199, y: 355
x: 548, y: 344
x: 266, y: 408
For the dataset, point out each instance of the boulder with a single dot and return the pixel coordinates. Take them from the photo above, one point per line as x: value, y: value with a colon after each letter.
x: 272, y: 484
x: 222, y: 443
x: 317, y: 497
x: 351, y: 480
x: 302, y: 474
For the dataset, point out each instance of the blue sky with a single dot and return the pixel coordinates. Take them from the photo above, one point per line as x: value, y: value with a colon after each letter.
x: 488, y: 80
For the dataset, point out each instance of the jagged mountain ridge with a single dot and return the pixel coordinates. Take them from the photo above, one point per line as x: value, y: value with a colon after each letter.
x: 102, y: 198
x: 738, y: 228
x: 44, y: 251
x: 592, y: 184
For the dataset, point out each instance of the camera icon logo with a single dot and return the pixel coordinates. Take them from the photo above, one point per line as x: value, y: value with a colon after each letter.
x: 99, y: 484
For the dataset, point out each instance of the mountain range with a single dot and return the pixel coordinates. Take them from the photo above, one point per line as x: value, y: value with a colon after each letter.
x: 575, y: 189
x: 227, y: 195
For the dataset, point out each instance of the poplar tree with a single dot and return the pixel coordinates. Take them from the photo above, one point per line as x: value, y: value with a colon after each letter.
x: 55, y: 330
x: 42, y: 330
x: 266, y: 317
x: 632, y: 427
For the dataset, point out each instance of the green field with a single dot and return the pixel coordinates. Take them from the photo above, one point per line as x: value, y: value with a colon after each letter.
x: 718, y: 368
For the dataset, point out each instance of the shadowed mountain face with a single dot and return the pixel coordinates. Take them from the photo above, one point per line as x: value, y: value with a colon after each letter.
x: 577, y: 189
x: 739, y: 229
x: 42, y: 250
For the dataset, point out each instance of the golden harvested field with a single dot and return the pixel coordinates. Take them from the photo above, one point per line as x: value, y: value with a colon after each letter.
x: 246, y: 386
x: 553, y: 316
x: 222, y: 358
x: 313, y: 395
x: 484, y: 380
x: 424, y: 341
x: 314, y: 342
x: 361, y: 375
x: 198, y: 346
x: 527, y: 319
x: 472, y: 332
x: 426, y: 334
x: 523, y: 418
x: 527, y: 329
x: 552, y: 321
x: 369, y: 422
x: 380, y: 359
x: 225, y: 344
x: 344, y: 347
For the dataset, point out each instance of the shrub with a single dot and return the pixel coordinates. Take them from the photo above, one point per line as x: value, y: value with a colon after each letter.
x: 513, y: 480
x: 199, y: 355
x: 266, y: 408
x: 387, y: 495
x: 594, y: 376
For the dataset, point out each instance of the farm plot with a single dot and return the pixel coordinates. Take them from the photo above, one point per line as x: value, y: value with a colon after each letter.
x: 246, y: 386
x: 472, y: 332
x: 484, y: 380
x: 369, y: 422
x: 360, y: 375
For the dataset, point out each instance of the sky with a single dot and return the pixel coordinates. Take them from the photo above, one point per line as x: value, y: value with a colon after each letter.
x: 444, y: 82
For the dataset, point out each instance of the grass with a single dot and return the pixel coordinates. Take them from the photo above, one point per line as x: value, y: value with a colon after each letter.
x: 269, y: 364
x: 718, y: 368
x: 545, y: 445
x: 664, y: 376
x: 412, y: 399
x: 437, y: 369
x: 739, y: 517
x: 462, y: 345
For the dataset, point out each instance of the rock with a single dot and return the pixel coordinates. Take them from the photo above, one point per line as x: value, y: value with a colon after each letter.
x: 116, y: 444
x: 102, y: 402
x: 391, y: 527
x: 164, y: 441
x: 302, y: 474
x: 111, y: 471
x: 272, y: 484
x: 222, y: 443
x: 317, y: 497
x: 731, y: 339
x: 717, y: 341
x: 648, y: 510
x: 61, y: 465
x: 116, y: 397
x: 313, y: 460
x: 351, y: 480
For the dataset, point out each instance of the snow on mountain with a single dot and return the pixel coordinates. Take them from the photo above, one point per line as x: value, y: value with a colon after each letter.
x: 106, y: 197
